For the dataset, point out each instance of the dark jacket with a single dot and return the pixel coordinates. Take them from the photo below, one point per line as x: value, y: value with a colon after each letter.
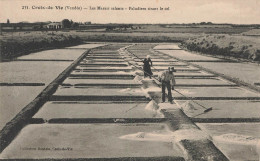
x: 147, y: 67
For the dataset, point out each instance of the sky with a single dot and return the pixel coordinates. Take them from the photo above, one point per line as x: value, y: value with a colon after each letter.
x: 173, y: 11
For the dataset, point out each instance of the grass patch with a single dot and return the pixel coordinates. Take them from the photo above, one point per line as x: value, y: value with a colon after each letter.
x: 245, y: 47
x: 17, y: 44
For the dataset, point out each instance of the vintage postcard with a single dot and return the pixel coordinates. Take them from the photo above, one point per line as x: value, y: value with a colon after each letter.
x: 130, y: 80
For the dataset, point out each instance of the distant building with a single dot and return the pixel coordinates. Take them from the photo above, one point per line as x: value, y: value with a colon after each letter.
x: 54, y: 25
x: 88, y: 23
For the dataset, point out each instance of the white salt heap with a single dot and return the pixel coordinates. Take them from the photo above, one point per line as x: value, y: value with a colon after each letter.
x: 153, y: 136
x: 167, y: 135
x: 152, y: 105
x: 237, y: 139
x: 138, y: 79
x: 188, y: 107
x: 151, y: 89
x: 125, y: 90
x: 131, y: 90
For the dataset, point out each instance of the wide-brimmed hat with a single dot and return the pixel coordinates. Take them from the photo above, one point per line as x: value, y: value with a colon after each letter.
x: 171, y: 69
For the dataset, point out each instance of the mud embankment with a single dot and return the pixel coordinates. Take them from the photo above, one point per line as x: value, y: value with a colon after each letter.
x: 225, y: 45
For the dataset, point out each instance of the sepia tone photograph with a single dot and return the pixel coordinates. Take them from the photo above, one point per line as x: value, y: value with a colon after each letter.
x: 130, y: 80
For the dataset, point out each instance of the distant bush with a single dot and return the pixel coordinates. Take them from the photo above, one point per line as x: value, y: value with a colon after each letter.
x: 225, y: 45
x: 12, y: 49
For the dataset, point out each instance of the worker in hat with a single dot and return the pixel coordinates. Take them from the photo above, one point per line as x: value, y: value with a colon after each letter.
x: 147, y: 66
x: 168, y: 81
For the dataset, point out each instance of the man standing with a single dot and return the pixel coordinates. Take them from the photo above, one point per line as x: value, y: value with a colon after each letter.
x: 167, y: 79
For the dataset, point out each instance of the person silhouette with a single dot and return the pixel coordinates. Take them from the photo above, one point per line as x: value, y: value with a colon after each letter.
x: 168, y: 81
x: 147, y: 66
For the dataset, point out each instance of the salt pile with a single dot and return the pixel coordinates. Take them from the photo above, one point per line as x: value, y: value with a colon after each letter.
x: 119, y: 120
x: 152, y: 92
x: 167, y: 135
x: 153, y: 136
x: 237, y: 139
x: 188, y: 107
x: 131, y: 91
x: 138, y: 79
x: 152, y: 105
x: 125, y: 90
